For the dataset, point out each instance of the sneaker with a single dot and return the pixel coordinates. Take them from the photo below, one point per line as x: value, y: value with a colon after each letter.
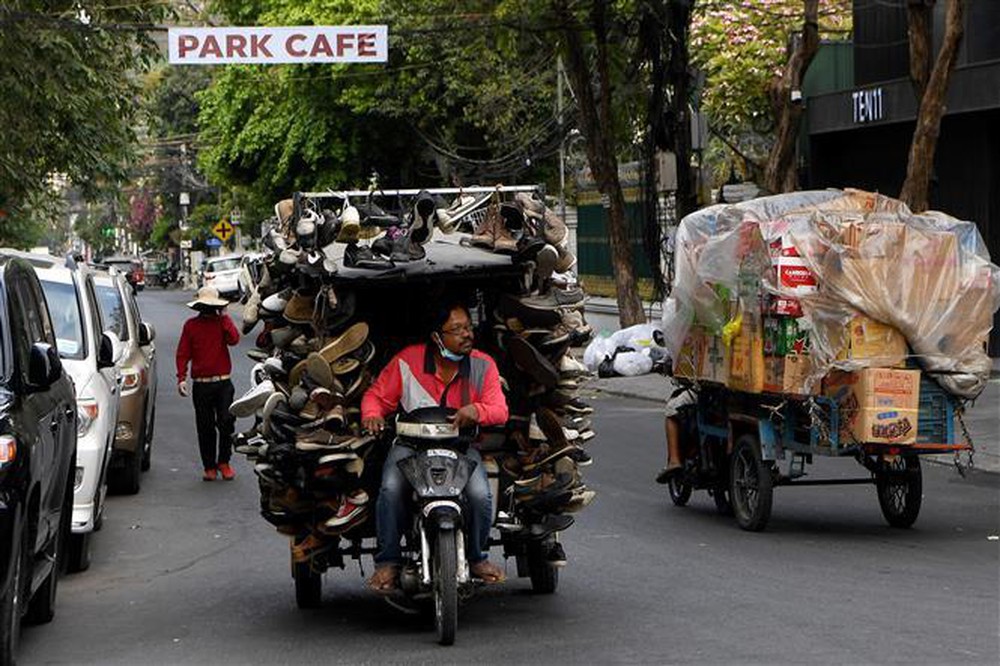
x: 545, y: 262
x: 227, y: 472
x: 358, y: 256
x: 570, y: 368
x: 580, y: 457
x: 350, y: 508
x: 210, y: 474
x: 556, y: 555
x: 300, y: 309
x: 252, y: 400
x: 424, y: 217
x: 275, y: 303
x: 251, y: 311
x: 350, y: 225
x: 449, y: 218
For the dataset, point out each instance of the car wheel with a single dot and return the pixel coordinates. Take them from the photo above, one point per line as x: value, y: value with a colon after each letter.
x: 127, y: 478
x: 78, y: 553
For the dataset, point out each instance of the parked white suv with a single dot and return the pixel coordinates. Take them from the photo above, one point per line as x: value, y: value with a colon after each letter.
x: 223, y: 273
x: 88, y: 354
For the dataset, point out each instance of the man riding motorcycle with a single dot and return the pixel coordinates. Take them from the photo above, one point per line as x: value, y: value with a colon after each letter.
x: 445, y: 371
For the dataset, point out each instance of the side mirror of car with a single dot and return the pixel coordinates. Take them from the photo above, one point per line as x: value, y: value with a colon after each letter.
x: 107, y: 350
x: 146, y: 333
x: 44, y: 366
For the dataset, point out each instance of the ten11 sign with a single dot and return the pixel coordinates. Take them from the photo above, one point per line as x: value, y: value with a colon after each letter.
x: 278, y: 45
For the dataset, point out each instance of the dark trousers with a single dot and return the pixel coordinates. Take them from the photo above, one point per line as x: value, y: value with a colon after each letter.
x: 214, y: 422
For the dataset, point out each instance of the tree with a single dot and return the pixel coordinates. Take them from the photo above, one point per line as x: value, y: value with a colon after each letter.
x: 781, y: 172
x: 68, y: 95
x: 591, y: 78
x: 742, y: 50
x: 930, y: 89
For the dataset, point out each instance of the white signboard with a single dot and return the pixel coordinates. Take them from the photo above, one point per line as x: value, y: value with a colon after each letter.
x: 278, y: 45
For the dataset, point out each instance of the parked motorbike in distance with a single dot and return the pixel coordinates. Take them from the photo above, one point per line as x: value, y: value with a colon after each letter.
x: 438, y: 472
x: 169, y: 277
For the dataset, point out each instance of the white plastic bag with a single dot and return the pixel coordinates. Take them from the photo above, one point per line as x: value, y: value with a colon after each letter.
x: 599, y: 348
x: 632, y: 364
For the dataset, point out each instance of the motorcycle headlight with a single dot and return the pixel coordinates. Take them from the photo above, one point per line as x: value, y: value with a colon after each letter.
x: 131, y: 379
x: 86, y: 413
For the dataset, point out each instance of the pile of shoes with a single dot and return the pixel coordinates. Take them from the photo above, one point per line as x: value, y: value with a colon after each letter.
x: 315, y: 359
x: 306, y: 445
x: 549, y: 422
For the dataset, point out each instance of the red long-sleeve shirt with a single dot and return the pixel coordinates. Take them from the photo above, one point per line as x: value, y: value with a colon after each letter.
x: 410, y: 381
x: 204, y: 341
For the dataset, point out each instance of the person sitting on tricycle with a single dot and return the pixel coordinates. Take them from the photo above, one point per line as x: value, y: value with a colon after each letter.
x: 444, y: 371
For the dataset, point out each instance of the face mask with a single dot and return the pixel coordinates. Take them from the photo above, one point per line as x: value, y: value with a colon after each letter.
x: 445, y: 352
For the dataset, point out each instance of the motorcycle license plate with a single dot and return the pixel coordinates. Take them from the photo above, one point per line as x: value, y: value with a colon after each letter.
x: 444, y: 453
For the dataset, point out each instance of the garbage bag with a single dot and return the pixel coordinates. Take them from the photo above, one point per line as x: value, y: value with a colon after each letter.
x: 632, y: 363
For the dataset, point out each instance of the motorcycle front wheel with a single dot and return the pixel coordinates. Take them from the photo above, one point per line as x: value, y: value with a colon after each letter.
x: 446, y: 586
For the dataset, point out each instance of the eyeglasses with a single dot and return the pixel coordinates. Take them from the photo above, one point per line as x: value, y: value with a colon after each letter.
x: 458, y: 330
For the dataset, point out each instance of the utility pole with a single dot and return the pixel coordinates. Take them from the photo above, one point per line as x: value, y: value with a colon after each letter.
x: 562, y: 138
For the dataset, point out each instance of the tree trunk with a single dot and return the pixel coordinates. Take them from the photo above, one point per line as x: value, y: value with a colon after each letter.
x: 919, y: 18
x: 780, y: 174
x: 679, y: 23
x: 594, y: 110
x: 925, y: 135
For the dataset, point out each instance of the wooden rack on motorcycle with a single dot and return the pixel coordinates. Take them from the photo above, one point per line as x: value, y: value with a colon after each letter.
x: 347, y: 280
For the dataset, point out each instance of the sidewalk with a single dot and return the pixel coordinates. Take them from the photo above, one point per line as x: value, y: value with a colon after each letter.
x: 982, y: 419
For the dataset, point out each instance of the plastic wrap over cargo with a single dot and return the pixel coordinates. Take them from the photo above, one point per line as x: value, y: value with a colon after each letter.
x: 850, y: 265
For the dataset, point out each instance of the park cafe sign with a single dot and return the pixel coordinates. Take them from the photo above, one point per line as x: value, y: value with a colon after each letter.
x: 278, y: 45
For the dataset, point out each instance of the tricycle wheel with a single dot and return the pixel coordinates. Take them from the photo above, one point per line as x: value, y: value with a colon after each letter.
x: 750, y: 485
x: 308, y: 585
x: 680, y: 490
x: 544, y: 575
x: 899, y: 483
x: 722, y: 504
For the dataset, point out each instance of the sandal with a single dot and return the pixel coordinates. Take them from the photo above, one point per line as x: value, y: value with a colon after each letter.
x: 383, y: 581
x: 488, y: 572
x: 669, y: 472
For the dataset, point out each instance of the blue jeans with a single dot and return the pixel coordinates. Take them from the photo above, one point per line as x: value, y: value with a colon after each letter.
x: 392, y: 514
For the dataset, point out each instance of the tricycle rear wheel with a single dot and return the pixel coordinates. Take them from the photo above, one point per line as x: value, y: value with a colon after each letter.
x: 308, y: 585
x: 899, y: 483
x: 751, y: 485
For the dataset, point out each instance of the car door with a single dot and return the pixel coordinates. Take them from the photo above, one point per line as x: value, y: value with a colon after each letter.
x: 41, y: 406
x: 148, y: 353
x: 108, y: 375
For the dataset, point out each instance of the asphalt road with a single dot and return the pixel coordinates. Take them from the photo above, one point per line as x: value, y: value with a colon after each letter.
x: 187, y: 572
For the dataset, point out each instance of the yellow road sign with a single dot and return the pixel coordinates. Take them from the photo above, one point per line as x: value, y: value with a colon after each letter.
x: 223, y: 230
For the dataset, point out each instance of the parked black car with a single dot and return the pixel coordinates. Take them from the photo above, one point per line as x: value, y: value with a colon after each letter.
x: 38, y: 424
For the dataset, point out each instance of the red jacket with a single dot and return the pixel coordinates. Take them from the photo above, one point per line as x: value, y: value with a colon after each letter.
x: 204, y: 342
x: 409, y: 381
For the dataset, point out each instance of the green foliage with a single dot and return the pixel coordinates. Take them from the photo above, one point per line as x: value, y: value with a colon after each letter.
x: 159, y: 238
x: 96, y: 226
x: 741, y: 47
x: 69, y: 87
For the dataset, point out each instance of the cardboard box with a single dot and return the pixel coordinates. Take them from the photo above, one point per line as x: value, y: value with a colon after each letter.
x: 687, y: 365
x: 788, y: 374
x: 715, y: 360
x: 876, y: 404
x: 880, y: 344
x: 746, y: 360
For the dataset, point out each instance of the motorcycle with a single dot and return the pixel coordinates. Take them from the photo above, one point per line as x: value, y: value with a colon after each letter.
x: 438, y: 472
x: 706, y: 461
x: 434, y: 566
